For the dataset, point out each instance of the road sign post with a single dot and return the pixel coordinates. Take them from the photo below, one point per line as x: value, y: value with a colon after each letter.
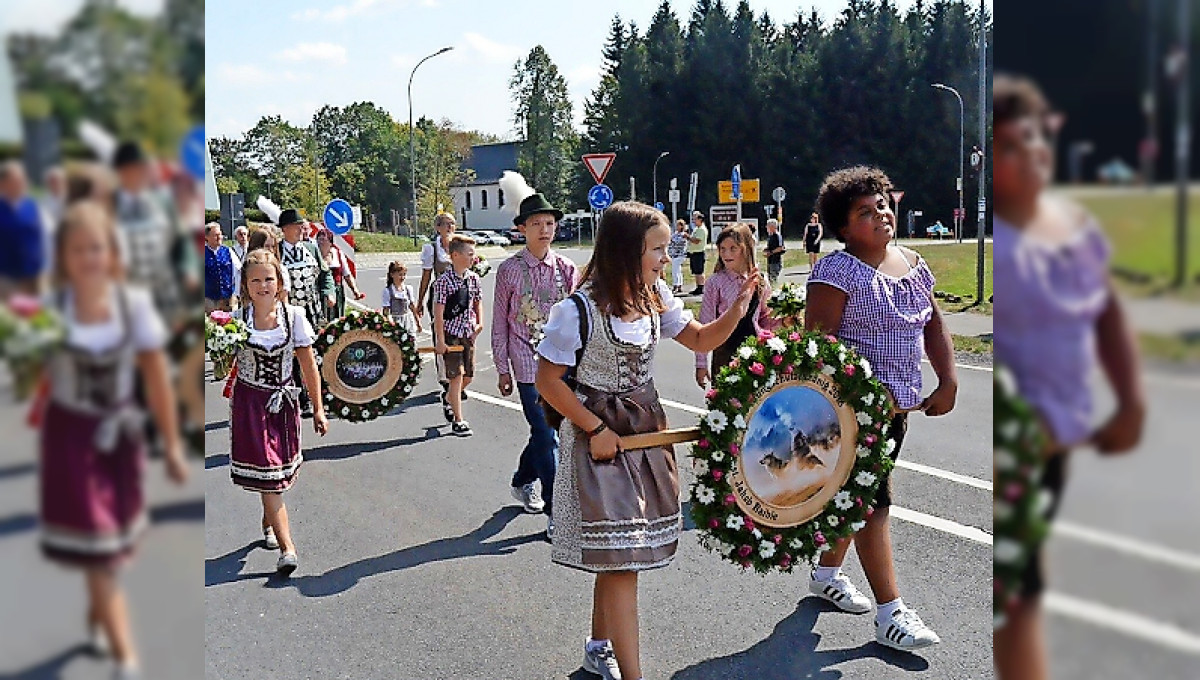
x: 339, y: 217
x: 600, y: 197
x: 673, y: 197
x: 736, y: 180
x: 691, y: 206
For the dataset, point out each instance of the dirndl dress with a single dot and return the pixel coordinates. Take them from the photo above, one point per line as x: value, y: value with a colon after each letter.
x: 398, y: 309
x: 623, y: 514
x: 92, y: 457
x: 264, y: 414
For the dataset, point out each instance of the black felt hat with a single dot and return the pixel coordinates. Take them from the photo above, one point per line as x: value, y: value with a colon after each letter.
x: 128, y: 153
x: 534, y: 204
x: 290, y: 216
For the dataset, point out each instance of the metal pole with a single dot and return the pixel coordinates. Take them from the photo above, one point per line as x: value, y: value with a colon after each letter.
x: 654, y: 174
x: 412, y: 140
x: 1150, y: 98
x: 1182, y: 144
x: 960, y: 218
x: 981, y: 213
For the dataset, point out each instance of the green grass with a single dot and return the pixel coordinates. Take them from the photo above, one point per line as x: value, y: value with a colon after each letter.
x: 374, y: 242
x: 972, y: 344
x: 1141, y: 228
x: 1181, y: 348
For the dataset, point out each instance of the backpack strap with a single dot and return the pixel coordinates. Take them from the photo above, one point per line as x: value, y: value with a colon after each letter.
x: 583, y: 327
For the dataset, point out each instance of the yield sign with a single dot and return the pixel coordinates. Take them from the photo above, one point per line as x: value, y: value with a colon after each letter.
x: 897, y: 195
x: 599, y: 164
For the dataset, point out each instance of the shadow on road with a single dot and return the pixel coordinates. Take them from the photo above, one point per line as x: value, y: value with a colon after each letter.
x: 791, y: 652
x: 18, y: 469
x: 340, y: 451
x: 52, y: 668
x: 226, y: 568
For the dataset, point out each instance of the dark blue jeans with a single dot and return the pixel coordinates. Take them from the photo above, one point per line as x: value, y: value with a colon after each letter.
x: 539, y: 460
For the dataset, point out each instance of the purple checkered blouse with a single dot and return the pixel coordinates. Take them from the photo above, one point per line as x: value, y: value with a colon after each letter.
x: 885, y: 317
x: 1046, y: 317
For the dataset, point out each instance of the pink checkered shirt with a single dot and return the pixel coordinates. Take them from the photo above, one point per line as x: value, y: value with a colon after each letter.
x: 720, y: 292
x: 546, y: 282
x: 462, y: 326
x: 884, y: 320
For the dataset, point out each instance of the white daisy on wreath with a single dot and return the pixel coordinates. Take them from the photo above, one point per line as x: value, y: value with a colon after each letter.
x: 745, y: 352
x: 734, y: 522
x: 706, y: 495
x: 766, y: 549
x: 865, y: 478
x: 842, y: 500
x: 717, y: 420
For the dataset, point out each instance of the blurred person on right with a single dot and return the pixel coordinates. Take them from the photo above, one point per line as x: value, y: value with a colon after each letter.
x: 22, y: 233
x: 1056, y: 308
x: 92, y: 446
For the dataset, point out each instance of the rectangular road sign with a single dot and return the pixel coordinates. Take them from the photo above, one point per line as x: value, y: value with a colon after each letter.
x: 749, y: 191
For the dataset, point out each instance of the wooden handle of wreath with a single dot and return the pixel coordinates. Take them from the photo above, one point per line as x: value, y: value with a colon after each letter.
x: 450, y: 348
x: 651, y: 440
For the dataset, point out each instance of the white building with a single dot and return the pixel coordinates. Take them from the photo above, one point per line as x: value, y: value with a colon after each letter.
x: 478, y: 205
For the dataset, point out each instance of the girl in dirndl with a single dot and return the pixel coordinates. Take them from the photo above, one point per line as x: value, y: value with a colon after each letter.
x: 264, y: 408
x: 616, y: 512
x: 92, y: 447
x: 398, y: 302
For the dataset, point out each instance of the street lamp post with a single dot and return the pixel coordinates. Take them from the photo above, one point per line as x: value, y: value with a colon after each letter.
x: 654, y: 174
x: 958, y: 218
x: 412, y: 143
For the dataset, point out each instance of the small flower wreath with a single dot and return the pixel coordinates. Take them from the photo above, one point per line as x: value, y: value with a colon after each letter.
x: 1019, y: 503
x: 370, y: 320
x: 759, y: 364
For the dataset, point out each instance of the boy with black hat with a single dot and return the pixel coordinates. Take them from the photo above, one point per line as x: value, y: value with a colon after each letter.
x: 528, y: 284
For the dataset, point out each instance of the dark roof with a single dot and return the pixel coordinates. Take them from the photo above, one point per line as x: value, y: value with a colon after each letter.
x: 489, y: 161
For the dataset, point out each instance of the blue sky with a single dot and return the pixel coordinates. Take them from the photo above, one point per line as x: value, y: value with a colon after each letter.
x: 779, y: 417
x: 290, y: 58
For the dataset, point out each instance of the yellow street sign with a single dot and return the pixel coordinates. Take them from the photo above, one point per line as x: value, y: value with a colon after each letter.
x: 749, y: 191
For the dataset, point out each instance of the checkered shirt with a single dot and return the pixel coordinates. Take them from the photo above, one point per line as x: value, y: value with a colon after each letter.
x: 462, y: 326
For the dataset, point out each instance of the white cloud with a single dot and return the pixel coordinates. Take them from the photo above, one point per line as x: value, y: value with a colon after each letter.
x: 243, y: 74
x: 337, y: 12
x: 319, y: 51
x: 492, y: 50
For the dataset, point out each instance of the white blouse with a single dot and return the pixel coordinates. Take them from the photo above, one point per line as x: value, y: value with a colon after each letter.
x: 302, y: 330
x: 147, y: 332
x: 562, y: 339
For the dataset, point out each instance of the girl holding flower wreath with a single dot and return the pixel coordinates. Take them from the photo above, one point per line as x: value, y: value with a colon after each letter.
x: 878, y: 299
x: 1058, y: 310
x: 617, y: 512
x: 264, y: 408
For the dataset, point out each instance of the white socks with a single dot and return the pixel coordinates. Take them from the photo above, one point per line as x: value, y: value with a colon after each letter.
x: 884, y: 613
x: 826, y: 574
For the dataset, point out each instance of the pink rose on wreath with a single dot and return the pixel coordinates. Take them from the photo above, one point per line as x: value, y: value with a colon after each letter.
x: 703, y: 443
x: 713, y: 523
x: 745, y: 564
x: 757, y: 368
x: 736, y: 404
x: 831, y: 338
x: 819, y: 538
x: 218, y: 317
x: 777, y: 359
x: 794, y: 336
x: 785, y: 561
x: 735, y: 363
x: 858, y: 502
x: 778, y: 539
x: 710, y: 394
x: 871, y: 439
x: 745, y: 551
x: 729, y: 499
x: 789, y: 369
x: 1013, y: 491
x: 849, y: 369
x: 734, y: 449
x: 765, y: 335
x: 748, y: 523
x: 717, y: 475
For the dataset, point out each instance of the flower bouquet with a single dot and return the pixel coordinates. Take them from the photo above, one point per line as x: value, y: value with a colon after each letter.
x: 29, y: 332
x: 481, y: 267
x: 787, y: 303
x: 224, y: 335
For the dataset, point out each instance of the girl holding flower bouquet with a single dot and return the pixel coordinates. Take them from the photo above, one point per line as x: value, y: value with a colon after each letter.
x: 264, y: 408
x: 617, y: 512
x: 878, y: 299
x: 92, y: 448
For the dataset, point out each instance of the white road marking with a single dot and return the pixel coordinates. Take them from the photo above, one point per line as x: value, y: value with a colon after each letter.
x: 1126, y: 623
x: 1129, y: 546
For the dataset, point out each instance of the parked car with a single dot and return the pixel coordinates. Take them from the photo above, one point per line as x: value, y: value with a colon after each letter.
x: 515, y: 236
x: 488, y: 238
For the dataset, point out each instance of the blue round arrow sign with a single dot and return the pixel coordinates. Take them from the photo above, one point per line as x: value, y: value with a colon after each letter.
x: 339, y: 217
x: 600, y: 197
x: 191, y: 152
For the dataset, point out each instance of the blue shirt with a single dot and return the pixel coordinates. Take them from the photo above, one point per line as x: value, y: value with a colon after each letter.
x: 24, y: 253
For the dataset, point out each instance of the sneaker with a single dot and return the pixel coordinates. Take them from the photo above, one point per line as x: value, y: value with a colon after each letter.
x: 123, y: 672
x: 447, y: 412
x: 98, y: 640
x: 461, y: 428
x: 905, y: 632
x: 463, y: 395
x: 602, y: 662
x: 287, y: 564
x: 529, y: 497
x: 696, y: 291
x: 842, y: 593
x: 269, y: 538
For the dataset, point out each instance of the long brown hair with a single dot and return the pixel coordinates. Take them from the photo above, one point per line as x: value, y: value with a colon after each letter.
x: 81, y: 214
x: 261, y: 257
x: 615, y: 270
x: 745, y: 241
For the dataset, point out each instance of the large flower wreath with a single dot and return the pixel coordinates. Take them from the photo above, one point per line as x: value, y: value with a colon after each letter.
x: 1019, y: 503
x: 759, y: 364
x: 376, y: 321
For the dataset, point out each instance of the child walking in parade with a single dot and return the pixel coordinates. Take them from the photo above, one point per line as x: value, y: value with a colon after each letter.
x: 528, y: 284
x: 264, y: 408
x: 458, y: 320
x: 878, y: 299
x: 617, y: 512
x: 92, y: 442
x: 435, y: 260
x: 397, y: 300
x: 735, y: 261
x: 1057, y: 309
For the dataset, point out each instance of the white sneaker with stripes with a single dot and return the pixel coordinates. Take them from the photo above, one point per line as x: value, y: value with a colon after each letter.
x: 905, y: 632
x: 842, y: 593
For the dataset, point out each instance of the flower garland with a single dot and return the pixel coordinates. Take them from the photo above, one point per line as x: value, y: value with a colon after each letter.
x: 1019, y: 504
x: 376, y: 321
x: 759, y: 364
